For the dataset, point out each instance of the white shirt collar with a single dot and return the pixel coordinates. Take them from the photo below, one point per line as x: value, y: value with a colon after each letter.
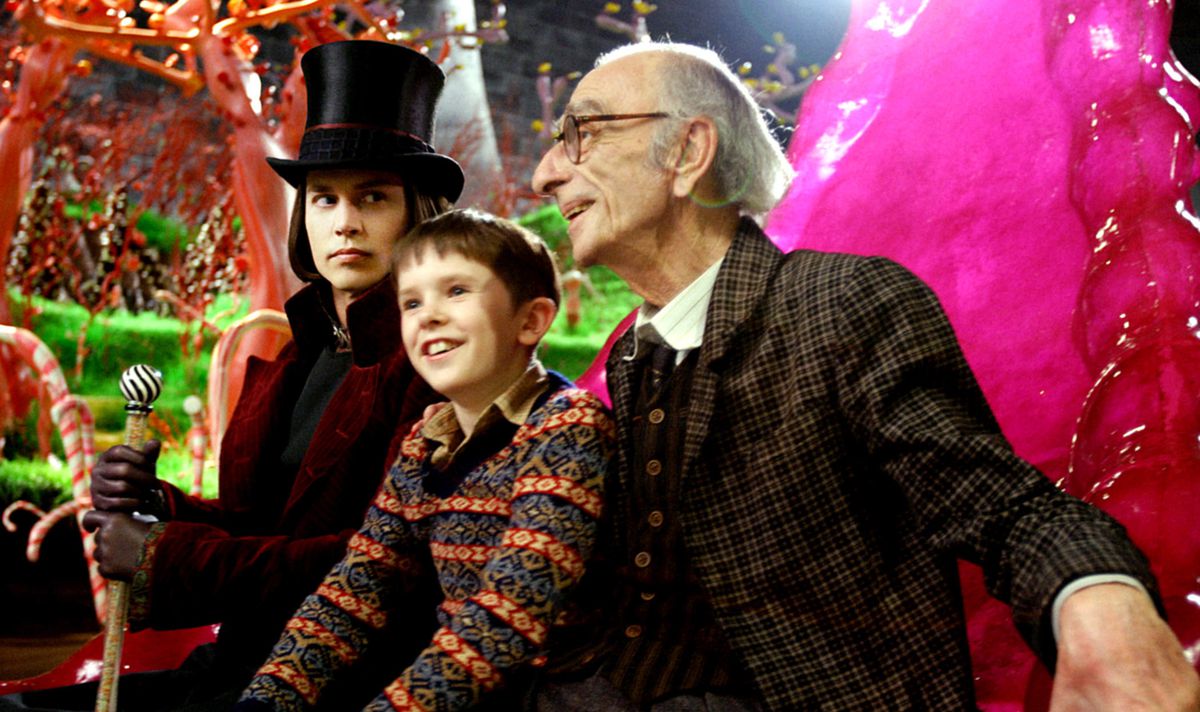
x: 680, y: 322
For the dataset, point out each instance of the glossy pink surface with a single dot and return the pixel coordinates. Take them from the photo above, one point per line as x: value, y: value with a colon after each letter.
x: 1030, y: 160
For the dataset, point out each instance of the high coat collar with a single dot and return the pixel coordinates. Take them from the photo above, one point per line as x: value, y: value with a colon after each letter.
x: 749, y: 264
x: 372, y: 319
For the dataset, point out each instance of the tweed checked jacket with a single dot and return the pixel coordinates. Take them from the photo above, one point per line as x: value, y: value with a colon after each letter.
x: 839, y: 458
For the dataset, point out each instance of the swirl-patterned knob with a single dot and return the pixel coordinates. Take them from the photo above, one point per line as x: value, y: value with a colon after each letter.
x: 141, y: 385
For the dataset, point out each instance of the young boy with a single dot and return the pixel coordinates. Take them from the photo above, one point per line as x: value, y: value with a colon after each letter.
x: 502, y: 490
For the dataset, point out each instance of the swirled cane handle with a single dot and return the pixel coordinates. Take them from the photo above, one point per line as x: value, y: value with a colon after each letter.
x: 141, y: 385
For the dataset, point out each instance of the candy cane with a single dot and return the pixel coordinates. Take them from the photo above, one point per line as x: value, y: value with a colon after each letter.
x: 197, y: 438
x: 76, y: 428
x: 19, y: 506
x: 222, y: 358
x: 42, y: 526
x: 33, y: 549
x: 44, y: 522
x: 87, y: 432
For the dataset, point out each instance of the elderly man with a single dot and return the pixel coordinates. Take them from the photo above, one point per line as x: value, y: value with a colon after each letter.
x: 805, y: 453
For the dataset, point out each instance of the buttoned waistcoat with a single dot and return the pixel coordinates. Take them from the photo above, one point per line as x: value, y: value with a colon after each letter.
x: 839, y: 458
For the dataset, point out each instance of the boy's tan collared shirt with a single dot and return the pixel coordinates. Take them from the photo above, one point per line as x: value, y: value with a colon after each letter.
x: 513, y: 406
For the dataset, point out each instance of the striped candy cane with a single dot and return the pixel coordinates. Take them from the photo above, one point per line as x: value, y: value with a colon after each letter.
x: 197, y: 438
x: 20, y: 506
x: 46, y: 521
x: 76, y: 428
x: 87, y: 433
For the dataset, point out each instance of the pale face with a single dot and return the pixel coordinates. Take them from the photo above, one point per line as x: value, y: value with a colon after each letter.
x: 461, y: 330
x: 615, y: 199
x: 353, y: 218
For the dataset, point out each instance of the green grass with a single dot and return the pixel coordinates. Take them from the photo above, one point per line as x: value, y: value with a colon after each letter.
x: 548, y: 223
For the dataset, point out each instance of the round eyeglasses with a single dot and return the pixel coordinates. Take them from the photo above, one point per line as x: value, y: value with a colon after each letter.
x: 568, y: 131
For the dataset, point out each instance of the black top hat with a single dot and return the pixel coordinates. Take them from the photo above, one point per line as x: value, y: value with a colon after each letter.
x: 371, y: 105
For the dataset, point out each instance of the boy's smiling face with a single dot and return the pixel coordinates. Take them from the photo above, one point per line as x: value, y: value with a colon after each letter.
x: 461, y: 330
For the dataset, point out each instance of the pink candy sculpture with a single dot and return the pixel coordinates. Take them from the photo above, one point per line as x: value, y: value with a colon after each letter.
x: 1030, y: 160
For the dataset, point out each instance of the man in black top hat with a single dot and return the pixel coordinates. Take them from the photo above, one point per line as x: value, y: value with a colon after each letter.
x: 305, y: 448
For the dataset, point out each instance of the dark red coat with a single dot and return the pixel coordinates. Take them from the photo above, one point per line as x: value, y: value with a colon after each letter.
x: 249, y: 558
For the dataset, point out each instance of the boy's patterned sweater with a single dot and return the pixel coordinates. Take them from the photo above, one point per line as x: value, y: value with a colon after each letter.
x: 509, y: 542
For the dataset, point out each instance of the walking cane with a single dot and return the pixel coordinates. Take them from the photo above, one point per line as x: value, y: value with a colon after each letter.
x: 141, y: 386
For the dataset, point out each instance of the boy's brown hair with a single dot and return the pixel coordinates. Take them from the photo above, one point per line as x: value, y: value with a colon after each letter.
x: 517, y: 256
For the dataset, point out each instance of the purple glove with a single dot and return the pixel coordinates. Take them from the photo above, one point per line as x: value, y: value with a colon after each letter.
x: 124, y: 480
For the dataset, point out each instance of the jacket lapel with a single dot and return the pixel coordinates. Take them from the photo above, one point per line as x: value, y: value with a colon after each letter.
x: 346, y: 416
x: 373, y: 320
x: 620, y: 391
x: 254, y: 431
x: 749, y: 266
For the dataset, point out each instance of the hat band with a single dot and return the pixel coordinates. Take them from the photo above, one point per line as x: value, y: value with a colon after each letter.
x: 357, y: 143
x: 371, y: 127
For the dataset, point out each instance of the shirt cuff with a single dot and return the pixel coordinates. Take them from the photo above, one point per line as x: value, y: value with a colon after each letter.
x: 1083, y: 582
